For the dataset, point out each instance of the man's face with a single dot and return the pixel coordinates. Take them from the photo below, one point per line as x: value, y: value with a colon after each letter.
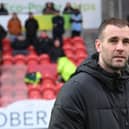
x: 113, y: 48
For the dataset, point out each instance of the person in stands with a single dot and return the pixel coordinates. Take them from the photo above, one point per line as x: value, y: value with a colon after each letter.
x: 14, y: 26
x: 31, y: 30
x: 44, y: 43
x: 68, y: 9
x: 3, y: 10
x: 49, y: 8
x: 56, y: 51
x: 97, y: 95
x: 58, y: 27
x: 76, y: 23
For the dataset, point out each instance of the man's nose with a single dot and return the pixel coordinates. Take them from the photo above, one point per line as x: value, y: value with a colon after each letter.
x: 120, y: 45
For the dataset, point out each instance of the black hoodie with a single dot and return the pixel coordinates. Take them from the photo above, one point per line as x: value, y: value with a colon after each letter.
x: 92, y: 99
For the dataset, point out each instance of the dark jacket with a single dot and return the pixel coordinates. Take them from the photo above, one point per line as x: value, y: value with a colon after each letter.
x: 3, y: 32
x: 92, y: 99
x: 58, y: 25
x: 31, y: 26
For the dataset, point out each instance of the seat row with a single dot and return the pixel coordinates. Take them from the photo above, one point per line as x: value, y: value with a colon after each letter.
x: 29, y: 59
x: 10, y: 94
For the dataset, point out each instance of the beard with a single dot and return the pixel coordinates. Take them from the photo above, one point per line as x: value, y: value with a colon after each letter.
x: 116, y: 66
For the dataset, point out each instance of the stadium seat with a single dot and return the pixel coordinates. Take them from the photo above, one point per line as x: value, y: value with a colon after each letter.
x: 32, y: 59
x: 72, y: 57
x: 19, y: 59
x: 67, y: 40
x: 48, y: 92
x: 20, y: 70
x: 33, y: 68
x: 68, y: 51
x: 67, y: 47
x: 79, y: 46
x: 6, y: 41
x: 6, y: 79
x: 77, y: 39
x: 20, y: 91
x: 7, y: 59
x: 6, y: 44
x: 6, y: 90
x: 34, y: 92
x: 31, y: 50
x: 81, y: 52
x: 6, y: 68
x: 50, y: 68
x: 44, y: 59
x: 48, y: 78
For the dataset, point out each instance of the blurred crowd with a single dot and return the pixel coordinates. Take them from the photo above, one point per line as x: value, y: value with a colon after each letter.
x: 42, y: 42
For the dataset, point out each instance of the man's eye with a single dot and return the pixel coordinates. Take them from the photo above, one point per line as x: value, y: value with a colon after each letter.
x: 113, y: 40
x: 126, y: 41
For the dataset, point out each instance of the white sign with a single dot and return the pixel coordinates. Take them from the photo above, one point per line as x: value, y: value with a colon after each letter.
x: 91, y: 9
x: 27, y: 114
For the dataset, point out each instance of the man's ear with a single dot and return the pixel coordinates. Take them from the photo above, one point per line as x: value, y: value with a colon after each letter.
x: 98, y: 45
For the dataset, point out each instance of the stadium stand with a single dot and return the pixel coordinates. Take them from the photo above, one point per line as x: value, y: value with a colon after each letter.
x: 14, y: 68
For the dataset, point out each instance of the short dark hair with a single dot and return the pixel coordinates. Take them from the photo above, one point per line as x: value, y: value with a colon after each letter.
x: 111, y: 21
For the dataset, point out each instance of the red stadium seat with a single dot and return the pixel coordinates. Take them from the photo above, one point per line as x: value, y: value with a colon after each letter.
x: 7, y: 59
x: 6, y: 90
x: 79, y: 46
x: 67, y: 46
x: 48, y: 92
x: 67, y: 40
x: 44, y: 59
x: 6, y: 45
x: 50, y: 68
x: 31, y: 50
x: 34, y: 92
x: 48, y: 78
x: 19, y: 59
x: 33, y: 68
x: 77, y: 39
x: 32, y: 59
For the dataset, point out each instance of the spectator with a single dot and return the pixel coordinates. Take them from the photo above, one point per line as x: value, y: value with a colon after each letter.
x: 65, y: 68
x: 19, y: 45
x: 31, y: 29
x: 56, y: 51
x: 49, y: 8
x: 14, y: 26
x: 44, y: 43
x: 58, y: 27
x: 3, y: 34
x: 68, y: 9
x: 76, y: 23
x: 3, y: 10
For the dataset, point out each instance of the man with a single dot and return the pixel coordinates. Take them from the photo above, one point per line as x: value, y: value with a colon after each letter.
x: 97, y: 95
x: 31, y: 30
x: 76, y: 23
x: 58, y: 27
